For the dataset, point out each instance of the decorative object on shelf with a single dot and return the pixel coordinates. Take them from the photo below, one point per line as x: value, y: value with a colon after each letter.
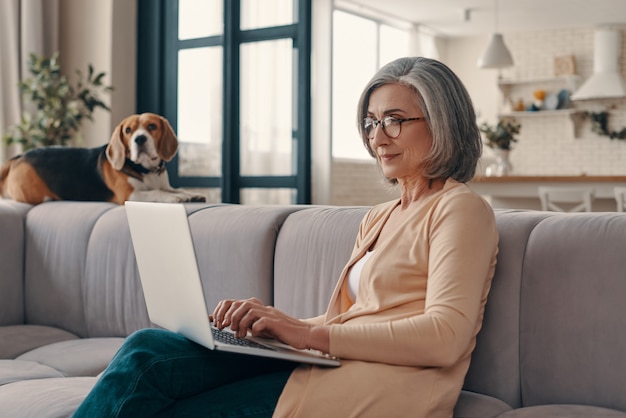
x: 519, y: 106
x: 551, y: 102
x: 500, y: 139
x: 564, y: 65
x: 59, y: 107
x: 497, y: 55
x: 564, y: 100
x: 537, y: 104
x: 599, y: 125
x: 519, y: 89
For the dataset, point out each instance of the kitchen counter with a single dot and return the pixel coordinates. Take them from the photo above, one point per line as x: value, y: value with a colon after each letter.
x: 520, y: 192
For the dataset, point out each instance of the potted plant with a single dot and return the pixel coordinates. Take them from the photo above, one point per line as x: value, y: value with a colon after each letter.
x: 56, y: 107
x: 500, y: 138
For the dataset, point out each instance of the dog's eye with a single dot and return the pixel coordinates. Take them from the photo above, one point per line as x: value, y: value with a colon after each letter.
x: 152, y: 126
x: 127, y: 130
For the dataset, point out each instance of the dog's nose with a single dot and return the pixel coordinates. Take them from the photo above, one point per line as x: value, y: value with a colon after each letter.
x: 141, y: 139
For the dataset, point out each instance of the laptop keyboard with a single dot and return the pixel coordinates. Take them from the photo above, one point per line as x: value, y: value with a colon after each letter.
x: 226, y: 337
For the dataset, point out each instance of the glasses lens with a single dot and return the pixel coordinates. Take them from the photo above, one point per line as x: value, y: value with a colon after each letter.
x: 368, y: 126
x: 391, y: 126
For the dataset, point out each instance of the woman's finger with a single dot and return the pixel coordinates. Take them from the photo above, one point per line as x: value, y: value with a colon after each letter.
x: 219, y: 315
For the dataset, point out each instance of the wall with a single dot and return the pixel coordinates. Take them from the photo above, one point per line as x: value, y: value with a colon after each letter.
x: 559, y: 145
x: 359, y: 183
x: 461, y: 55
x: 101, y: 33
x: 548, y: 145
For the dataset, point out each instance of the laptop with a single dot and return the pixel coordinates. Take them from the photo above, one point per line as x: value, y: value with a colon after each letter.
x: 172, y: 287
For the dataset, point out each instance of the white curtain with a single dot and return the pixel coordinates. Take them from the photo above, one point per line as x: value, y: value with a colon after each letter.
x: 26, y: 26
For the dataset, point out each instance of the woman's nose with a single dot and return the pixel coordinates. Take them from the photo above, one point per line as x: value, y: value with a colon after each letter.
x: 379, y: 135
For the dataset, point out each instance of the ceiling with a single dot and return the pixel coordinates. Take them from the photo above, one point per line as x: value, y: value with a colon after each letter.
x: 452, y: 18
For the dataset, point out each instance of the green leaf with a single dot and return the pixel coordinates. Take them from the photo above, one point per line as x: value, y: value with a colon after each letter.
x: 60, y: 106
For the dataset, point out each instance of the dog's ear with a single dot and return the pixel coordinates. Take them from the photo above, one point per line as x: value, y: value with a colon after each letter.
x: 116, y: 150
x: 168, y: 145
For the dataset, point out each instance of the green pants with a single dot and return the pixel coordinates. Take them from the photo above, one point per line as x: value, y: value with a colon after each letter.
x: 158, y: 373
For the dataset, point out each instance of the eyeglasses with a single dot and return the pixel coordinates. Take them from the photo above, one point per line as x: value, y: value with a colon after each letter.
x: 391, y: 126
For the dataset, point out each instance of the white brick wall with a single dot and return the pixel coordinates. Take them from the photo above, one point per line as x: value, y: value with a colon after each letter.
x: 359, y: 183
x: 547, y: 144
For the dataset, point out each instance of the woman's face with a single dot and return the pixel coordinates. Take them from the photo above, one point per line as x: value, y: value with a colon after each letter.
x: 401, y: 157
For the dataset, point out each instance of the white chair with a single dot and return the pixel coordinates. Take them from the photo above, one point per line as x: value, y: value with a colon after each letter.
x: 566, y: 199
x: 620, y: 197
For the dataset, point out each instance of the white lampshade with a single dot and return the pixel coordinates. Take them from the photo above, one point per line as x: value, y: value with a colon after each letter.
x: 497, y: 55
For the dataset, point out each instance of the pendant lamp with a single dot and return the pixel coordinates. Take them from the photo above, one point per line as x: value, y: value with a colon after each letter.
x: 497, y: 55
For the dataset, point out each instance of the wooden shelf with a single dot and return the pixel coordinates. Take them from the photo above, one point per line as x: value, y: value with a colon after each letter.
x: 540, y: 113
x: 570, y: 81
x: 549, y: 178
x: 508, y: 88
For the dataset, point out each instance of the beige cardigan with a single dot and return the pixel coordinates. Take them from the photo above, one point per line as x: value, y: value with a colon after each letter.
x: 406, y: 342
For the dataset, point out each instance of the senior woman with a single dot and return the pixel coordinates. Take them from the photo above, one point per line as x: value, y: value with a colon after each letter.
x: 406, y: 309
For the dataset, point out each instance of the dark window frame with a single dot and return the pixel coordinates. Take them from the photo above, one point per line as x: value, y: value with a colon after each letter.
x: 157, y: 55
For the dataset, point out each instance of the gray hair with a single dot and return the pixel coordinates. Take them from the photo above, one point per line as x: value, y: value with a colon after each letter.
x: 449, y: 113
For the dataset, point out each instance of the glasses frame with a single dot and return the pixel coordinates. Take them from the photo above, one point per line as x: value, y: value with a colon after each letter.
x: 381, y: 122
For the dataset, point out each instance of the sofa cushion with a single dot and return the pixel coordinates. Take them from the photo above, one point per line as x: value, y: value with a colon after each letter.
x: 572, y: 322
x: 476, y: 405
x: 312, y: 249
x: 563, y: 411
x: 57, y: 238
x: 18, y: 339
x: 113, y: 299
x: 18, y: 370
x: 494, y: 369
x: 12, y: 215
x: 44, y: 398
x: 82, y: 357
x: 234, y: 246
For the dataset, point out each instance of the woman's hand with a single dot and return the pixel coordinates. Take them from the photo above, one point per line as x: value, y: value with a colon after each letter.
x: 251, y: 315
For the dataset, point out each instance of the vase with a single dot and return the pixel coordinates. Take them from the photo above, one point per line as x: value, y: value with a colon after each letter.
x: 501, y: 166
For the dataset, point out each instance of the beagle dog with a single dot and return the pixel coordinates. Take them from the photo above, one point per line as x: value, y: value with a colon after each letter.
x: 130, y: 167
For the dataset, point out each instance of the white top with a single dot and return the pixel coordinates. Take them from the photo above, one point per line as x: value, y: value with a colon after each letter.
x: 355, y: 275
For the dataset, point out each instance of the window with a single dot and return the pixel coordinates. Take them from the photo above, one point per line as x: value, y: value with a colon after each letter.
x: 235, y: 83
x: 361, y: 45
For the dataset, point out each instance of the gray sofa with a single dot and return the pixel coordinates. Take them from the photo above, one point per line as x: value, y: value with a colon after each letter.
x: 553, y: 342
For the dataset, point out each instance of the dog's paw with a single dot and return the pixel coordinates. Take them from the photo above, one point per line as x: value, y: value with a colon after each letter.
x: 171, y: 198
x: 185, y: 197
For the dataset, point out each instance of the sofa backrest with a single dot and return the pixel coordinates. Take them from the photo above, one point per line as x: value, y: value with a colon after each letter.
x: 70, y: 257
x: 12, y: 239
x: 573, y: 316
x: 312, y: 249
x: 494, y: 369
x: 81, y: 273
x: 555, y: 328
x: 235, y: 250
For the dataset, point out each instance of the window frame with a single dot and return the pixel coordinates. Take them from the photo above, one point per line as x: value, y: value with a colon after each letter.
x: 157, y: 90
